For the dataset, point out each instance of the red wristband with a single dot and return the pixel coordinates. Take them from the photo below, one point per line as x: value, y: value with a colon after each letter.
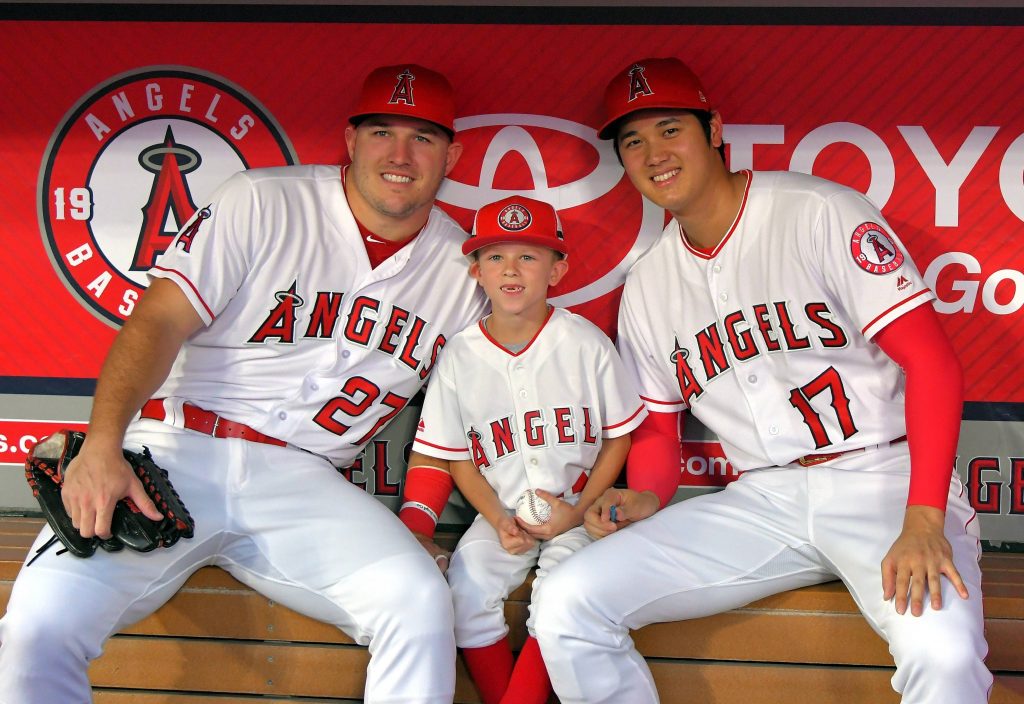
x: 426, y: 492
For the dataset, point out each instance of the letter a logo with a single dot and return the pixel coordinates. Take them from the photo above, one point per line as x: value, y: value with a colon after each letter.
x: 883, y: 252
x: 403, y: 89
x: 184, y: 241
x: 476, y: 449
x: 689, y: 387
x: 638, y: 83
x: 170, y: 202
x: 280, y: 323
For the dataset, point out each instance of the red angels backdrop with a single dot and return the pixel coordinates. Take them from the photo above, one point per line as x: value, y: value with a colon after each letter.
x: 114, y: 131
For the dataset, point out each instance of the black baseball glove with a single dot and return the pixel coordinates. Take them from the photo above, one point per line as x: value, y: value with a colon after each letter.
x: 44, y: 470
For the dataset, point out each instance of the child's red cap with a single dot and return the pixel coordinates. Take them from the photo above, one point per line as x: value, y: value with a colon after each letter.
x: 516, y: 219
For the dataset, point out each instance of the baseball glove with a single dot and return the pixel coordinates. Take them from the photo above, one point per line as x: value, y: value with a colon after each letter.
x: 44, y: 470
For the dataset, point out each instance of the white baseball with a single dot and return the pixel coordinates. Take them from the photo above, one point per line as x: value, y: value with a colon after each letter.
x: 532, y: 509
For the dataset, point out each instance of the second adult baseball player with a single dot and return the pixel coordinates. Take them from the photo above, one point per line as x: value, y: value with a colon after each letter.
x: 785, y: 314
x: 292, y: 319
x: 532, y: 398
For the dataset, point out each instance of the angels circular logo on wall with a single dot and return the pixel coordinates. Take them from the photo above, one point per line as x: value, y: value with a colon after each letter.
x: 874, y: 250
x: 131, y: 162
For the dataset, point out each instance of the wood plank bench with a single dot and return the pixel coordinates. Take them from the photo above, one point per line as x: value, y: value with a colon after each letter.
x: 218, y: 642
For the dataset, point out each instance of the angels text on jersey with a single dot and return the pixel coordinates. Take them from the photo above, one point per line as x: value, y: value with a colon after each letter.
x: 540, y: 428
x: 368, y: 323
x: 765, y: 328
x: 744, y: 335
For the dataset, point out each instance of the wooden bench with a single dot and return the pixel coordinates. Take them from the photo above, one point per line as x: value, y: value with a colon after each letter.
x: 218, y: 642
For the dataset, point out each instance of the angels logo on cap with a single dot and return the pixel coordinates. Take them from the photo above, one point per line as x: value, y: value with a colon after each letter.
x: 403, y: 89
x: 638, y: 83
x: 407, y: 90
x: 651, y: 84
x: 516, y: 219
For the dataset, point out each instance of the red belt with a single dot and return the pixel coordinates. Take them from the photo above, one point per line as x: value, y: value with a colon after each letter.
x: 811, y: 460
x: 210, y: 423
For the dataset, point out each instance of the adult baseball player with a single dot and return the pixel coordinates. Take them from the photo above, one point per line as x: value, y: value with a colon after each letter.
x: 779, y: 309
x: 530, y: 398
x: 271, y: 345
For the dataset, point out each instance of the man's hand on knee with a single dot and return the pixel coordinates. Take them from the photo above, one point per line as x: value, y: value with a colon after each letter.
x: 918, y: 560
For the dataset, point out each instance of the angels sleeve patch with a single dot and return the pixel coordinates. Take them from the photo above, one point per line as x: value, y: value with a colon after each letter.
x: 874, y: 250
x: 185, y: 237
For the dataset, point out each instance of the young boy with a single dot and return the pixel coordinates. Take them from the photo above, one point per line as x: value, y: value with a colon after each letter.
x: 532, y: 397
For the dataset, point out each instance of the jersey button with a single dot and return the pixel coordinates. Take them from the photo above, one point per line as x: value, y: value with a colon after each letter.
x: 533, y: 461
x: 345, y: 353
x: 752, y: 378
x: 282, y: 415
x: 522, y: 393
x: 724, y: 296
x: 717, y: 268
x: 773, y: 429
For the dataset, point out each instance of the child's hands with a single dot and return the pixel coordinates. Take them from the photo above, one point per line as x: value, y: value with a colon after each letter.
x: 564, y: 516
x: 514, y: 539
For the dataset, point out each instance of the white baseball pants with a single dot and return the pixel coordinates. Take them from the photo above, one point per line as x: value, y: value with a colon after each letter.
x: 770, y: 531
x: 482, y: 574
x: 280, y: 520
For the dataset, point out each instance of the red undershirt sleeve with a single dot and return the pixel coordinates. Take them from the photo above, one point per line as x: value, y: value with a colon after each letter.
x: 426, y: 493
x: 653, y: 460
x: 934, y: 403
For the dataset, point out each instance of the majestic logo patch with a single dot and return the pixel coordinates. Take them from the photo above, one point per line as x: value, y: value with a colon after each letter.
x: 638, y: 83
x: 514, y: 218
x: 130, y: 163
x: 874, y: 250
x: 403, y: 89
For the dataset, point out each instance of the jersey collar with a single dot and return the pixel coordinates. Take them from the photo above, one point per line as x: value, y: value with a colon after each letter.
x: 712, y: 253
x: 483, y: 329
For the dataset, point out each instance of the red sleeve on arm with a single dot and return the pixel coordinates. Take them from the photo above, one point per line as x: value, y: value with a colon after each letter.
x: 426, y: 492
x: 653, y: 460
x: 935, y: 399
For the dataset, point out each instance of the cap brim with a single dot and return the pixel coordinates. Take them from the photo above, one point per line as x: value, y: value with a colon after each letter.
x: 476, y: 243
x: 354, y: 120
x: 610, y: 130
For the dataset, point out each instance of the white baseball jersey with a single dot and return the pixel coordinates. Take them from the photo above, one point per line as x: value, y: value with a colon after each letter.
x: 766, y: 339
x: 303, y: 340
x: 532, y: 419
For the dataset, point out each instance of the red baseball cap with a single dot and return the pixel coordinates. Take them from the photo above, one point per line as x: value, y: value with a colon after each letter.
x: 651, y: 83
x: 408, y: 90
x: 516, y: 219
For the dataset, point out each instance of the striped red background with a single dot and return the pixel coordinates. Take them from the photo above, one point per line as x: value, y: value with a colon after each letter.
x: 946, y: 80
